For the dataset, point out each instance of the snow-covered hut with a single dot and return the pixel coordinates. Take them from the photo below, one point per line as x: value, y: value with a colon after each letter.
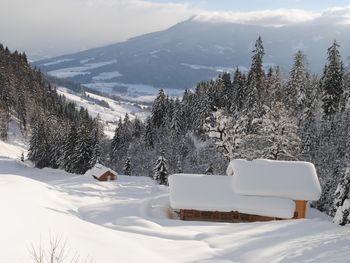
x: 102, y: 173
x: 259, y: 190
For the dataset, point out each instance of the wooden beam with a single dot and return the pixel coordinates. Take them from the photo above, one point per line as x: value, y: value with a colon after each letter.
x: 217, y: 216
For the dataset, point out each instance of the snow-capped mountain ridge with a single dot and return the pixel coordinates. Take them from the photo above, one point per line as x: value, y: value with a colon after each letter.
x: 161, y: 59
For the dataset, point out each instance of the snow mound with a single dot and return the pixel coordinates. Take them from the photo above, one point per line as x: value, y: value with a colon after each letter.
x: 128, y: 221
x: 293, y: 180
x: 214, y: 193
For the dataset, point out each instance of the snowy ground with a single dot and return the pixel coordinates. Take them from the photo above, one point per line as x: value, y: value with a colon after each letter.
x: 129, y: 220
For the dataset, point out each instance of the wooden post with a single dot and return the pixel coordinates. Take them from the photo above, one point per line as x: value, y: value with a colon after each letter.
x: 300, y: 209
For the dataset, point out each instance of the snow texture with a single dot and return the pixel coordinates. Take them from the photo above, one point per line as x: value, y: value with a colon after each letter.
x: 293, y: 180
x: 129, y: 220
x: 214, y: 193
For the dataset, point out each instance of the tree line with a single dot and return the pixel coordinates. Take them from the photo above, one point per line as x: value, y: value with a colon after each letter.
x: 253, y: 114
x: 61, y: 136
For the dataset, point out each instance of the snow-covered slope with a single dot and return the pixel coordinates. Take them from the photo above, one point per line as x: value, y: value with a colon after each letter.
x: 109, y: 114
x: 129, y: 220
x: 16, y: 143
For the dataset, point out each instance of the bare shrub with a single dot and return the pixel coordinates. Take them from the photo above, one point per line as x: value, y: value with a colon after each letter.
x: 55, y: 252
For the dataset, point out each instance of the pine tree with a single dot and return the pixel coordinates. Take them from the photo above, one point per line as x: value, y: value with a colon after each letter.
x: 138, y: 128
x: 230, y: 135
x: 161, y: 170
x: 341, y: 204
x: 38, y: 147
x: 116, y: 141
x: 187, y: 109
x: 255, y: 83
x: 239, y: 88
x: 159, y: 110
x: 4, y: 120
x: 127, y: 167
x: 82, y: 152
x: 274, y: 87
x: 149, y: 135
x: 297, y: 85
x: 278, y: 135
x: 202, y: 108
x: 179, y: 167
x: 96, y: 155
x: 68, y: 149
x: 332, y: 82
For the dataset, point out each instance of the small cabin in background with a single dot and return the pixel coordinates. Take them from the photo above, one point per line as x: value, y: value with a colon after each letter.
x: 258, y: 190
x: 102, y: 173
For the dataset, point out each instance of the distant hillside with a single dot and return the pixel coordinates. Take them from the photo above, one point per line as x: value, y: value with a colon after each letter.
x: 191, y: 51
x: 26, y: 96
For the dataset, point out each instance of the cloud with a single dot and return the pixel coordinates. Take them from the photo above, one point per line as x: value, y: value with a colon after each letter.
x: 277, y: 17
x: 339, y: 15
x: 54, y: 27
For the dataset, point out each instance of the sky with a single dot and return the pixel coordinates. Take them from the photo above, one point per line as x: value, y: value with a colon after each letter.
x: 46, y: 28
x: 253, y: 5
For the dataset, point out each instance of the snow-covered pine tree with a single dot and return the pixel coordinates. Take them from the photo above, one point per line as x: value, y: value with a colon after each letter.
x: 97, y: 133
x: 201, y: 108
x: 159, y: 110
x: 297, y: 85
x: 341, y: 204
x: 116, y: 141
x: 255, y: 83
x: 161, y: 170
x: 138, y: 128
x: 332, y: 82
x: 66, y: 161
x: 229, y: 134
x: 274, y: 87
x: 55, y: 148
x: 149, y: 135
x: 82, y: 152
x: 127, y: 167
x: 239, y: 90
x: 38, y: 146
x: 179, y: 167
x: 187, y: 109
x: 278, y: 134
x: 176, y: 125
x: 4, y: 119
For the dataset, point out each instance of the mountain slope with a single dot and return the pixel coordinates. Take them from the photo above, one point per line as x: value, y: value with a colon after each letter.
x: 194, y: 50
x: 108, y: 109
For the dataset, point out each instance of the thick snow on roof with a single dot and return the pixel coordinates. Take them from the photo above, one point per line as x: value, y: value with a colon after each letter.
x: 99, y: 170
x: 214, y: 193
x: 294, y: 180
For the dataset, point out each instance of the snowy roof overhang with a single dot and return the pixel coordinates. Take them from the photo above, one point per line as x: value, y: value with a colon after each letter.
x: 286, y: 179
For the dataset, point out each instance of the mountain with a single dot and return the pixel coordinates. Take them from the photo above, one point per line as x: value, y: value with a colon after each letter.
x: 193, y: 50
